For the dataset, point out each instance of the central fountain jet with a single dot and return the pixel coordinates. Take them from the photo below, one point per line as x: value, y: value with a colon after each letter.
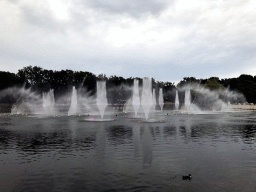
x: 146, y: 100
x: 101, y: 99
x: 48, y: 102
x: 73, y: 107
x: 187, y: 100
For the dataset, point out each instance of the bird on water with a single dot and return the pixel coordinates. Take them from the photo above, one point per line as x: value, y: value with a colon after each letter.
x: 189, y: 177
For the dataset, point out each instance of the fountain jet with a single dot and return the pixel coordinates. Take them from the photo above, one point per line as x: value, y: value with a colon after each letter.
x: 161, y: 99
x: 101, y: 99
x: 154, y: 99
x: 73, y: 107
x: 136, y: 97
x: 187, y: 100
x: 177, y: 103
x: 48, y: 102
x: 146, y: 100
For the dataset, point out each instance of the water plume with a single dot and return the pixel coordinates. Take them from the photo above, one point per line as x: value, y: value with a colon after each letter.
x: 177, y: 102
x: 161, y: 99
x: 136, y: 97
x: 187, y: 100
x: 154, y: 99
x: 73, y: 106
x: 48, y: 102
x: 101, y: 99
x: 146, y: 98
x: 200, y: 98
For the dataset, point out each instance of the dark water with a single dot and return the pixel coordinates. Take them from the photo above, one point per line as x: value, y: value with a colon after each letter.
x: 69, y: 154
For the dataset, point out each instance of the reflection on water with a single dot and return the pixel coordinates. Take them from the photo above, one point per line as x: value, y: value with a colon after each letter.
x: 146, y: 139
x: 67, y: 154
x: 119, y: 134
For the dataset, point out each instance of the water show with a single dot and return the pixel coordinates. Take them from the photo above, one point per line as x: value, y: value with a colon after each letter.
x: 127, y: 96
x: 135, y: 135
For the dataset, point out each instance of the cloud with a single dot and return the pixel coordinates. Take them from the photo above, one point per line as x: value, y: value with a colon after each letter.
x: 198, y: 38
x: 41, y: 17
x: 132, y: 8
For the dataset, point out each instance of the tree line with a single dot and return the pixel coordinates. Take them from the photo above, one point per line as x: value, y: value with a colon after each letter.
x: 42, y: 80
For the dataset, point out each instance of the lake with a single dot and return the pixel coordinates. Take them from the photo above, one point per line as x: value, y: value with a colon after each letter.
x: 61, y: 153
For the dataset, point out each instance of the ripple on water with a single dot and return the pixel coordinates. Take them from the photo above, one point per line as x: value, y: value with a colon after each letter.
x: 63, y: 154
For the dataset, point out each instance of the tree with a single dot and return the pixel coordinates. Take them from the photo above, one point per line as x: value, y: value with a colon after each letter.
x: 33, y: 76
x: 213, y: 84
x: 102, y: 77
x: 188, y: 80
x: 8, y: 79
x: 168, y: 91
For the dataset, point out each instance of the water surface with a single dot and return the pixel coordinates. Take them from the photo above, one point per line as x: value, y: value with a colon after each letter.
x: 126, y: 154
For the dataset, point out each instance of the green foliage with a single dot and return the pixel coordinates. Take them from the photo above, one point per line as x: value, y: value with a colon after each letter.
x: 169, y: 88
x: 213, y: 84
x: 115, y: 81
x: 245, y: 84
x: 102, y: 77
x: 8, y: 79
x: 42, y: 80
x: 188, y: 80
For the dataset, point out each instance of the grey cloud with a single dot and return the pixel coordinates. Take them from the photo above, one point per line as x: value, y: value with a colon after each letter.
x: 206, y: 49
x: 44, y: 18
x: 13, y: 1
x: 39, y: 18
x: 134, y: 8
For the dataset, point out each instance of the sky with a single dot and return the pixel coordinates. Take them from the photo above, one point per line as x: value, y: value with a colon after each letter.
x: 163, y: 39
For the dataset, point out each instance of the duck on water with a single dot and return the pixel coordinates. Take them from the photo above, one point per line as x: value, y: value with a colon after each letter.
x: 189, y: 177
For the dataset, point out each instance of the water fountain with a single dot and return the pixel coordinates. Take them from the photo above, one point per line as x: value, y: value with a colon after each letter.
x: 161, y: 99
x: 204, y: 100
x: 73, y: 107
x: 101, y: 99
x: 187, y: 100
x: 136, y: 97
x: 146, y: 100
x: 48, y: 102
x: 28, y: 102
x: 21, y: 107
x: 219, y: 105
x: 143, y: 142
x: 177, y: 103
x: 154, y: 99
x: 189, y: 107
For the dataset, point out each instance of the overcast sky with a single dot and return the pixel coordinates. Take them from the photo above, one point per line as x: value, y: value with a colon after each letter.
x: 164, y: 39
